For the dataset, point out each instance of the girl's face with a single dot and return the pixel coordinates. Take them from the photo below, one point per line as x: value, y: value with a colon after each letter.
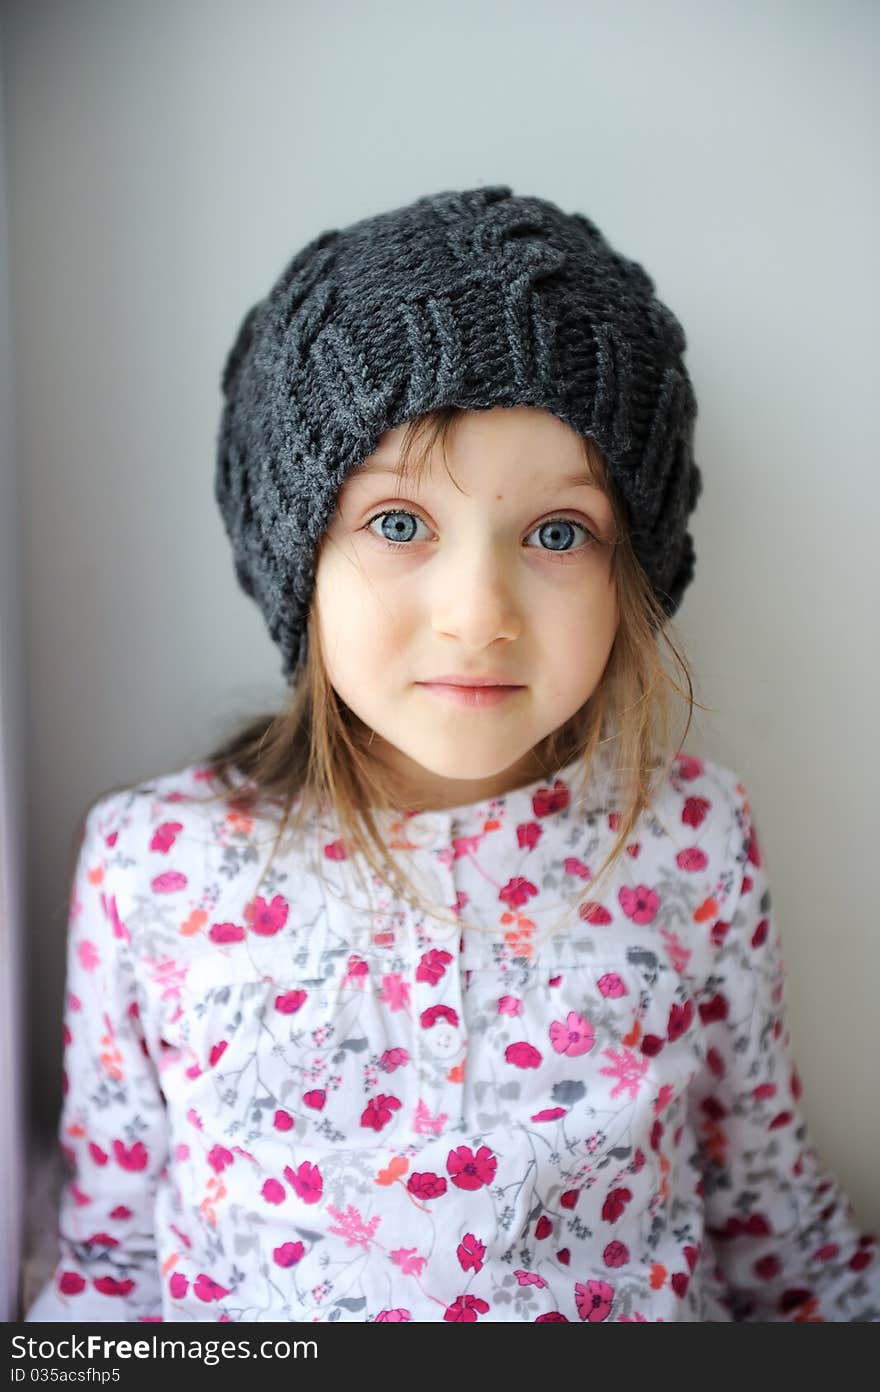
x: 502, y: 579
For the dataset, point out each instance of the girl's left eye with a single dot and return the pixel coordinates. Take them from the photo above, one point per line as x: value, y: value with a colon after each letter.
x: 556, y: 526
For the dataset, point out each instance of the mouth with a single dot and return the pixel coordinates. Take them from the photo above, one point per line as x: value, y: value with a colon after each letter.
x: 475, y: 697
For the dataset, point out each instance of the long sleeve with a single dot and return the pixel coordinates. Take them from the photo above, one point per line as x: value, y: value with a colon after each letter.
x: 782, y: 1231
x: 113, y: 1124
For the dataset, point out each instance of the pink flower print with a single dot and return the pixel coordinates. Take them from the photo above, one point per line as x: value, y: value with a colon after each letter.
x: 169, y: 882
x: 466, y: 1309
x: 288, y: 1254
x: 680, y: 1017
x: 267, y: 919
x: 178, y: 1285
x: 393, y: 1058
x: 395, y: 991
x: 88, y: 955
x: 510, y: 1005
x: 550, y: 1114
x: 692, y: 858
x: 395, y: 1316
x: 335, y: 850
x: 593, y: 1300
x: 528, y: 834
x: 219, y: 1157
x: 627, y: 1068
x: 433, y: 965
x: 226, y: 933
x: 424, y: 1123
x: 470, y: 1252
x: 549, y: 800
x: 352, y: 1227
x: 523, y: 1055
x: 529, y: 1278
x: 164, y: 836
x: 377, y: 1112
x: 616, y: 1254
x: 217, y: 1053
x: 99, y: 1156
x: 409, y: 1261
x: 615, y: 1203
x: 517, y: 892
x: 108, y: 1285
x: 119, y: 928
x: 612, y: 986
x: 121, y: 1211
x: 71, y: 1283
x: 207, y: 1289
x: 471, y: 1171
x: 356, y: 972
x: 639, y: 903
x: 552, y: 1315
x: 273, y: 1191
x: 573, y: 865
x: 131, y: 1157
x: 574, y: 1037
x: 306, y: 1180
x: 289, y: 1002
x: 434, y: 1013
x: 315, y: 1098
x: 663, y: 1098
x: 282, y: 1120
x: 169, y: 976
x: 427, y: 1185
x: 679, y: 955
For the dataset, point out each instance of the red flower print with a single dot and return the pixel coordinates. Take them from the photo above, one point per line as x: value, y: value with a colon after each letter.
x: 790, y: 1299
x: 616, y: 1254
x: 692, y: 858
x: 267, y: 919
x: 426, y: 1186
x: 569, y: 1198
x: 555, y: 1315
x: 509, y: 1005
x: 656, y: 1135
x: 219, y: 1157
x: 289, y: 1002
x: 131, y: 1157
x: 523, y: 1055
x: 652, y: 1044
x: 760, y: 934
x: 207, y: 1289
x: 288, y: 1254
x: 434, y: 1013
x: 593, y: 1300
x: 781, y: 1119
x: 226, y: 932
x: 543, y: 1227
x: 564, y: 1256
x: 273, y: 1191
x: 120, y: 1212
x: 546, y: 801
x: 719, y: 932
x: 307, y: 1181
x: 714, y: 1009
x: 691, y: 1255
x: 108, y: 1285
x: 768, y: 1267
x: 639, y: 903
x: 591, y: 912
x: 680, y: 1017
x: 178, y: 1285
x: 471, y: 1171
x: 615, y: 1202
x: 715, y: 1063
x: 377, y: 1112
x: 466, y: 1309
x: 315, y: 1098
x: 694, y: 811
x: 470, y: 1252
x: 574, y: 1037
x: 217, y: 1053
x: 102, y: 1239
x: 528, y: 834
x: 282, y: 1120
x: 517, y: 892
x: 71, y: 1283
x: 433, y: 965
x: 679, y: 1283
x: 99, y: 1156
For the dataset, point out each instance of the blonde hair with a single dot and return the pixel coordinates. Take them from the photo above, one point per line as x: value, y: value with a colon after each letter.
x: 315, y: 753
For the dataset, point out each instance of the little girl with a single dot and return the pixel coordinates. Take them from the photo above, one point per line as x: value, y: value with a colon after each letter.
x: 496, y: 1031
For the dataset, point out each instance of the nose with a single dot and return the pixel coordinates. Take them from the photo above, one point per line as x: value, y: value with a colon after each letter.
x: 477, y: 601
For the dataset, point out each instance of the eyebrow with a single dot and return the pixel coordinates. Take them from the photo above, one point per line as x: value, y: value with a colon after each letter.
x: 567, y: 480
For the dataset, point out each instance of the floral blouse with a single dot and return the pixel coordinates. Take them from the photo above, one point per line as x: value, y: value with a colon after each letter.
x: 311, y: 1103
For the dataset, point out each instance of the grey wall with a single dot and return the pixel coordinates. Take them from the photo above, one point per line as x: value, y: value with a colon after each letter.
x: 164, y: 162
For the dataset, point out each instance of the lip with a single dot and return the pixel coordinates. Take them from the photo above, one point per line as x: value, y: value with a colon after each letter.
x: 452, y: 679
x: 476, y: 697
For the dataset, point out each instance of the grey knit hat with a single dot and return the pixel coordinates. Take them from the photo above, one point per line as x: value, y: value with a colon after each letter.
x: 477, y: 298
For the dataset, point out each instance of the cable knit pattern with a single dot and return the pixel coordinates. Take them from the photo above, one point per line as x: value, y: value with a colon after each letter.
x: 476, y: 299
x: 313, y: 1104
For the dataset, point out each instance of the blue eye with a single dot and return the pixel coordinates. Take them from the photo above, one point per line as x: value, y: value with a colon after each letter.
x: 557, y: 529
